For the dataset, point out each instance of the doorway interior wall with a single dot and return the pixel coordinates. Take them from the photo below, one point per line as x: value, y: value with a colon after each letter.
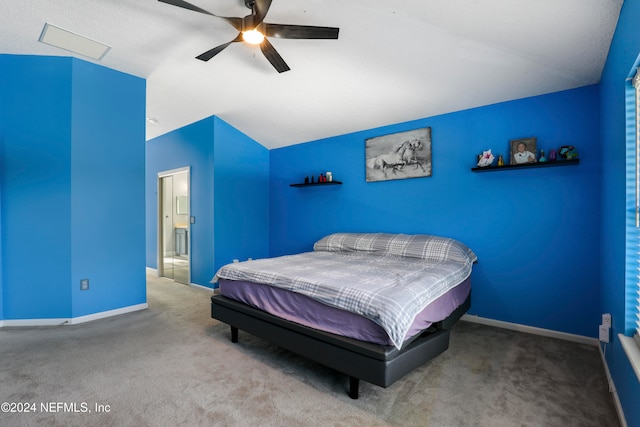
x: 174, y: 231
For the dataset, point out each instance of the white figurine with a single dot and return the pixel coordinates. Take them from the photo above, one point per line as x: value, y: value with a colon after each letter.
x: 486, y: 159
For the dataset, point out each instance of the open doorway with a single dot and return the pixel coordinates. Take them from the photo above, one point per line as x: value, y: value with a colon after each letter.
x: 174, y: 234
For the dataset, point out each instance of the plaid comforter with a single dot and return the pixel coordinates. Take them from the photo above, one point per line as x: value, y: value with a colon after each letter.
x: 388, y: 286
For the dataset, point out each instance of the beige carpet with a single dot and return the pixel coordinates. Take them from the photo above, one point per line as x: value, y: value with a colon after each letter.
x: 174, y: 365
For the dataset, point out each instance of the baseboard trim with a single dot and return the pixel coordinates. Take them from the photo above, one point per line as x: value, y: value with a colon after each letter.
x: 530, y: 329
x: 206, y: 288
x: 35, y: 322
x: 109, y: 313
x: 73, y: 320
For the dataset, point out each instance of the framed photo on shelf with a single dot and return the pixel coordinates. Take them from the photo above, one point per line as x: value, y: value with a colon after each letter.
x: 523, y: 151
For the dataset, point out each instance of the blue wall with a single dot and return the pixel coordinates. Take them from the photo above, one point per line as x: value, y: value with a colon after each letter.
x: 65, y: 181
x: 229, y: 194
x: 624, y: 50
x: 2, y: 78
x: 1, y: 256
x: 534, y: 230
x: 241, y: 196
x: 107, y: 202
x: 2, y: 106
x: 36, y: 187
x: 190, y: 146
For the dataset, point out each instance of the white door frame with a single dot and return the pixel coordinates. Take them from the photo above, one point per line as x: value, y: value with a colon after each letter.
x: 160, y: 229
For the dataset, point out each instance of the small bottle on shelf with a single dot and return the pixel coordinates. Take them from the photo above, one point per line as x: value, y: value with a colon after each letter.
x: 542, y: 157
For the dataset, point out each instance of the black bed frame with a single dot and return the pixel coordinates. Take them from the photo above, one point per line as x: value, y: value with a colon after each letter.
x: 374, y: 363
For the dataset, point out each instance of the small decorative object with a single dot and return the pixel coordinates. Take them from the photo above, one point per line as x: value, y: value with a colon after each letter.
x: 500, y: 160
x: 542, y: 157
x: 398, y: 156
x: 565, y: 150
x: 523, y: 150
x: 329, y: 176
x: 552, y: 155
x: 312, y: 179
x: 306, y: 179
x: 486, y: 159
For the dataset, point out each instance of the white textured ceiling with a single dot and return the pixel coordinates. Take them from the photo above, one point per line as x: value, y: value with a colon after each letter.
x: 394, y: 60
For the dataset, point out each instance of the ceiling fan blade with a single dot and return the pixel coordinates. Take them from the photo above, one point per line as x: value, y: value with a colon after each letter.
x: 260, y: 9
x: 235, y: 22
x: 186, y: 5
x: 300, y: 31
x: 216, y: 50
x: 273, y: 56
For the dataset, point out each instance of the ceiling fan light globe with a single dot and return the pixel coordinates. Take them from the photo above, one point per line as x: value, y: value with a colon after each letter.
x: 253, y: 36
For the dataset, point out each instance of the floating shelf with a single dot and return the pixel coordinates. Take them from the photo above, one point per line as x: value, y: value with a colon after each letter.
x: 316, y: 184
x: 569, y: 162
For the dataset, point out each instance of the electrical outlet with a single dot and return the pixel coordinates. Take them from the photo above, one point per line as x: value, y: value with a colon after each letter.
x: 84, y: 284
x: 606, y: 320
x: 604, y: 333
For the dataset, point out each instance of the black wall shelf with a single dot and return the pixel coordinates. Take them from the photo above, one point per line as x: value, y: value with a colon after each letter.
x: 570, y: 162
x: 316, y: 184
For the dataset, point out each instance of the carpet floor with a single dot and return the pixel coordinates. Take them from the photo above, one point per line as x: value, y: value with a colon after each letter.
x: 174, y: 365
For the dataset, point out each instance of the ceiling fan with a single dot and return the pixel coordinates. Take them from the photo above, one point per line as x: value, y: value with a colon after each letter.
x: 253, y: 30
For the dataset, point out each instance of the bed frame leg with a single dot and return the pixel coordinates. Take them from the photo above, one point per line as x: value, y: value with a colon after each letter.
x: 354, y: 385
x: 234, y: 334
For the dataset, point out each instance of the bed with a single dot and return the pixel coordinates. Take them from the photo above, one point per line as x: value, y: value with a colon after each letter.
x: 373, y: 306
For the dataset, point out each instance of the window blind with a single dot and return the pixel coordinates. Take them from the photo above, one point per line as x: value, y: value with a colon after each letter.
x: 632, y: 297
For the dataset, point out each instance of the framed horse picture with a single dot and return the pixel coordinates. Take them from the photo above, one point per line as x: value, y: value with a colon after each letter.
x: 399, y: 155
